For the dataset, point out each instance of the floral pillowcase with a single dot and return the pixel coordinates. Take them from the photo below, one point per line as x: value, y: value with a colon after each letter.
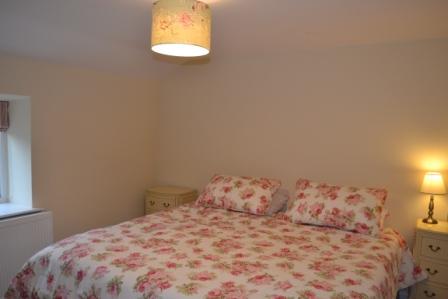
x: 244, y: 194
x: 348, y: 208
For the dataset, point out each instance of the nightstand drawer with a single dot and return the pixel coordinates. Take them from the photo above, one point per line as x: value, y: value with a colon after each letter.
x: 436, y: 273
x: 425, y: 290
x: 167, y: 197
x: 166, y: 203
x: 159, y: 204
x: 434, y: 248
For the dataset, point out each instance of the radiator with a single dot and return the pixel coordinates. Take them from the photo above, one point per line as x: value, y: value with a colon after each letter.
x: 20, y: 238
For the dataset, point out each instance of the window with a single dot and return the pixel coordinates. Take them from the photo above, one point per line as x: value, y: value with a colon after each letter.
x: 15, y: 155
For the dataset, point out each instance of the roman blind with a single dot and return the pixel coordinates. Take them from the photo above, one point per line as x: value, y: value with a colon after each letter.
x: 4, y: 116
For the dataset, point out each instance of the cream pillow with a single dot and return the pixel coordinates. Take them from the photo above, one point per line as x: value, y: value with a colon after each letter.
x: 279, y: 202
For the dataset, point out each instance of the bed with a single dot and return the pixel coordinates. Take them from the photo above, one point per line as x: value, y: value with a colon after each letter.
x: 201, y: 252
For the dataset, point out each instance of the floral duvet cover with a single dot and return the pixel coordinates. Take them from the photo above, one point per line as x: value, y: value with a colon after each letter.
x: 197, y: 252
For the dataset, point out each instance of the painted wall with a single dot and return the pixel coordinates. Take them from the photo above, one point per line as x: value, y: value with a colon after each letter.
x: 92, y: 141
x: 19, y: 152
x: 361, y: 116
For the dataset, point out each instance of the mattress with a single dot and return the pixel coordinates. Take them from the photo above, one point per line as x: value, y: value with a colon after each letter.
x: 197, y: 252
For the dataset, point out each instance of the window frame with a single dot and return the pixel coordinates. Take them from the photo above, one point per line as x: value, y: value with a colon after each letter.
x: 4, y: 171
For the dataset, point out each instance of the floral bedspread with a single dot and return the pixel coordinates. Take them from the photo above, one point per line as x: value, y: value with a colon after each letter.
x: 197, y: 252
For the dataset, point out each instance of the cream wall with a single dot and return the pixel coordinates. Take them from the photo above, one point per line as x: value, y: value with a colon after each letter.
x: 363, y: 116
x: 370, y: 116
x: 92, y: 141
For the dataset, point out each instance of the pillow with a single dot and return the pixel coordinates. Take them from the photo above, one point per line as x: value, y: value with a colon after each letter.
x: 279, y: 202
x: 384, y: 215
x: 347, y: 208
x: 239, y: 193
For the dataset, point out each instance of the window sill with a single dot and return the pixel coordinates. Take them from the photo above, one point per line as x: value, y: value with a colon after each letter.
x: 9, y: 210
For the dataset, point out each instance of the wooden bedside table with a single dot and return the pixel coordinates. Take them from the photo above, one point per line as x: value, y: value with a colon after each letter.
x: 431, y: 253
x: 167, y: 197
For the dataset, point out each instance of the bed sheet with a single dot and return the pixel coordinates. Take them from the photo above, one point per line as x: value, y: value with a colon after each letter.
x: 197, y: 252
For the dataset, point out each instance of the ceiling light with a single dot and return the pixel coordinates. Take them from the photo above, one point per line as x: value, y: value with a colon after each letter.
x: 181, y: 28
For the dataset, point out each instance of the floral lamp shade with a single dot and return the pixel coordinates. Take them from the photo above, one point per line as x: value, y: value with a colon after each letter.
x: 181, y: 28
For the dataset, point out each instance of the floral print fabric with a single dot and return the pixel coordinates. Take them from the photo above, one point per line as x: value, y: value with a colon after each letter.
x: 199, y: 252
x: 349, y: 208
x: 244, y: 194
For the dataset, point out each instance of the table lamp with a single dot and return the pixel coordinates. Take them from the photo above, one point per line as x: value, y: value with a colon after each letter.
x: 433, y: 185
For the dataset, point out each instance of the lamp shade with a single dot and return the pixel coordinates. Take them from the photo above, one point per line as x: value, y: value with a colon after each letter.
x: 181, y: 28
x: 433, y: 183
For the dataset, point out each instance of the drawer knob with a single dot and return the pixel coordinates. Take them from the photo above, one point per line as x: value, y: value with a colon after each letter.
x: 166, y: 205
x: 152, y: 202
x: 434, y: 272
x: 434, y: 249
x: 428, y: 294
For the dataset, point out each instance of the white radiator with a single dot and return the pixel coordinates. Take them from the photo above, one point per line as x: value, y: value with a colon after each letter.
x: 20, y: 238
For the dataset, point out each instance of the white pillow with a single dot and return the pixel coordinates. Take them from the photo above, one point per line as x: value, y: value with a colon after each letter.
x: 279, y: 202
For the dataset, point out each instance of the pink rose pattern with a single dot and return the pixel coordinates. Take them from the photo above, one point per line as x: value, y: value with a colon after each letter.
x: 354, y: 209
x: 244, y: 194
x: 185, y: 18
x: 200, y: 252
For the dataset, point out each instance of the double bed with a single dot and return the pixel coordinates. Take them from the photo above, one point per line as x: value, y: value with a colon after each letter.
x: 202, y: 252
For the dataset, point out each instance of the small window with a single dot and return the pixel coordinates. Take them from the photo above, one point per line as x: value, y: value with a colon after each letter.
x: 15, y: 151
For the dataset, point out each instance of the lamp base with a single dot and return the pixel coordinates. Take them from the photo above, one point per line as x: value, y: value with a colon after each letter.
x: 430, y: 221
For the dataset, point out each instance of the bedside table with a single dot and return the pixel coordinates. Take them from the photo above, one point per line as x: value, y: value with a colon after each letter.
x: 431, y: 253
x: 167, y: 197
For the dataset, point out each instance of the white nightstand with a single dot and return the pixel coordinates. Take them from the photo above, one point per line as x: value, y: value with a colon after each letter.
x: 431, y: 253
x: 167, y: 197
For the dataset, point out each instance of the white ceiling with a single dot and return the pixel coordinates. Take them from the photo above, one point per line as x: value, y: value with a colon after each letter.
x: 114, y: 34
